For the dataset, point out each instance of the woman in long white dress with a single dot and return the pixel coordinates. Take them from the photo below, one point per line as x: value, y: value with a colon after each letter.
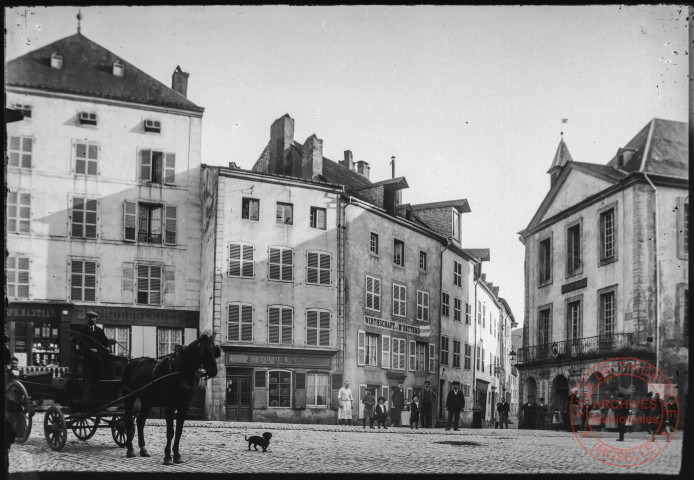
x: 344, y: 397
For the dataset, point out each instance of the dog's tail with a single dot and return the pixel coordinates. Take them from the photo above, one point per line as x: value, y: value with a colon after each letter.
x: 245, y: 437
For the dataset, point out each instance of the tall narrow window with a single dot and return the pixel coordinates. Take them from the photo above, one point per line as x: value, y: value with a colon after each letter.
x: 318, y: 268
x: 167, y: 340
x: 149, y: 281
x: 250, y: 208
x: 280, y: 325
x: 398, y: 357
x: 457, y: 309
x: 122, y: 337
x: 157, y: 167
x: 86, y: 158
x: 83, y: 281
x: 18, y: 212
x: 445, y: 304
x: 456, y: 225
x: 373, y: 243
x: 456, y: 353
x: 573, y: 249
x: 19, y: 151
x: 280, y: 393
x: 444, y: 350
x: 17, y: 272
x: 607, y: 312
x: 367, y: 349
x: 281, y: 261
x: 149, y: 223
x: 468, y: 313
x: 84, y: 217
x: 457, y: 274
x: 318, y: 218
x: 545, y: 257
x: 240, y: 323
x: 399, y: 300
x: 420, y: 356
x: 317, y: 390
x: 399, y: 252
x: 318, y: 328
x: 373, y: 293
x: 423, y: 261
x: 422, y: 306
x: 468, y: 356
x: 285, y: 213
x: 607, y: 235
x: 574, y: 319
x: 544, y: 322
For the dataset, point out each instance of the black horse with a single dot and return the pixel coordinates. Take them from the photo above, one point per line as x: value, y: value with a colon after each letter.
x: 169, y: 385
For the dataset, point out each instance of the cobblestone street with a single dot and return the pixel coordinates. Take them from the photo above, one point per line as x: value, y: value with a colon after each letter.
x: 219, y: 447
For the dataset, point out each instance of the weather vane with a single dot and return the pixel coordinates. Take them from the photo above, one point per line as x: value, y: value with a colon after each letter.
x: 79, y: 20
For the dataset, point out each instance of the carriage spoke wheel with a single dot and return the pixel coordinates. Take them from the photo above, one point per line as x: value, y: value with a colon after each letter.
x: 118, y: 431
x: 84, y: 428
x: 21, y: 420
x: 54, y: 428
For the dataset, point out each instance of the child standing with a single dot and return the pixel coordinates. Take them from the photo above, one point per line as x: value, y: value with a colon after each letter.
x: 414, y: 412
x: 381, y: 414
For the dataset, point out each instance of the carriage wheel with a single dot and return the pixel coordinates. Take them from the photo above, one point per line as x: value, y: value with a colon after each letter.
x: 21, y: 420
x: 118, y: 431
x: 85, y: 428
x: 54, y: 428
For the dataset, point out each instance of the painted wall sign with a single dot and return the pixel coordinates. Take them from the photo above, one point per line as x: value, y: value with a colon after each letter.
x: 31, y: 312
x: 577, y: 285
x: 138, y: 316
x: 283, y: 360
x: 423, y: 331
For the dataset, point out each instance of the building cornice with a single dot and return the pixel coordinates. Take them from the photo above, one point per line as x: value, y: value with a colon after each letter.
x: 276, y: 179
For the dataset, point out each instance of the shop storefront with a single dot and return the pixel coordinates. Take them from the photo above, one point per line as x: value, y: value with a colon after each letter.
x: 267, y: 385
x: 37, y: 333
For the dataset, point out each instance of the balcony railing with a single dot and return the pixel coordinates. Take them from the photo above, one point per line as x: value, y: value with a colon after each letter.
x: 578, y: 348
x: 146, y: 237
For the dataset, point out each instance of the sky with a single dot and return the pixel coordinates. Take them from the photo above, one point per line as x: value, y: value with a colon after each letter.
x: 468, y: 99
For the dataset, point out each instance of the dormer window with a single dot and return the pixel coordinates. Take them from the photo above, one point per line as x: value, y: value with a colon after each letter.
x: 152, y: 126
x: 57, y: 60
x: 25, y: 110
x: 456, y: 225
x: 118, y: 69
x: 87, y: 118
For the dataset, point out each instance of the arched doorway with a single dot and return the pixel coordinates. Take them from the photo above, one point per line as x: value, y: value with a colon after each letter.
x: 530, y: 390
x: 560, y: 393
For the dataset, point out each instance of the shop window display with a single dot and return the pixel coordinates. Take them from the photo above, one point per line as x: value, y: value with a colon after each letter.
x: 280, y: 392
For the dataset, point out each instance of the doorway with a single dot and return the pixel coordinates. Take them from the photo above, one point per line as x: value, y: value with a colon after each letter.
x: 238, y: 398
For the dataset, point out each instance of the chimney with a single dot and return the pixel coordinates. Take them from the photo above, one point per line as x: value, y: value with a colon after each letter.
x: 312, y: 158
x: 363, y: 169
x: 398, y: 193
x: 484, y: 277
x: 281, y: 139
x: 348, y: 162
x: 233, y: 166
x: 179, y: 81
x: 495, y: 291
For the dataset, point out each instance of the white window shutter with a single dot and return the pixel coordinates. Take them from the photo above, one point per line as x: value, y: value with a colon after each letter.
x: 385, y: 351
x: 130, y: 221
x: 145, y: 165
x: 169, y: 168
x: 413, y: 354
x: 128, y: 282
x: 169, y: 285
x: 432, y: 358
x: 170, y: 224
x: 361, y: 348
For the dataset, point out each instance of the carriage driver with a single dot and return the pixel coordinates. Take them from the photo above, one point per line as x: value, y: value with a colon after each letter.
x: 96, y: 347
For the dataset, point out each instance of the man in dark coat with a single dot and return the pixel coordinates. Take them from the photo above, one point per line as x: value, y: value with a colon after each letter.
x: 672, y: 413
x: 397, y: 406
x: 95, y: 346
x: 659, y: 415
x: 455, y: 402
x: 503, y: 410
x: 541, y: 413
x: 621, y: 415
x: 427, y: 398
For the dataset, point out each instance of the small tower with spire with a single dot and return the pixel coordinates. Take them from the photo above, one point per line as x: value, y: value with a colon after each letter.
x: 560, y: 159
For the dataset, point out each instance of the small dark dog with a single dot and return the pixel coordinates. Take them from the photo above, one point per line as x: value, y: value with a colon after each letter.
x: 255, y: 440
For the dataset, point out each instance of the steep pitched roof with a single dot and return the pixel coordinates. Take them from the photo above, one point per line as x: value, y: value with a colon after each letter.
x: 461, y: 205
x: 561, y: 157
x: 87, y: 70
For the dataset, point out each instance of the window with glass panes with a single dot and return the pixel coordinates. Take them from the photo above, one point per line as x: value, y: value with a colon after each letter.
x: 457, y: 274
x: 445, y: 304
x: 285, y: 213
x: 317, y: 218
x: 17, y: 273
x: 456, y: 225
x: 167, y: 339
x: 420, y: 356
x: 607, y: 235
x: 371, y: 350
x: 398, y: 356
x: 280, y: 325
x: 82, y: 280
x: 18, y: 212
x: 574, y: 319
x: 280, y: 391
x: 544, y: 322
x: 468, y: 356
x: 423, y: 261
x: 281, y: 261
x: 318, y: 268
x: 373, y: 293
x: 573, y: 249
x: 149, y: 281
x: 479, y: 360
x: 157, y: 167
x: 240, y: 322
x: 84, y: 217
x: 545, y: 260
x: 468, y: 313
x: 479, y: 312
x: 456, y: 353
x: 457, y: 309
x: 19, y: 151
x: 422, y: 306
x: 122, y: 337
x: 373, y: 243
x: 318, y: 328
x: 444, y: 350
x: 482, y: 358
x: 399, y: 300
x: 250, y: 208
x: 399, y: 252
x: 86, y: 158
x: 607, y: 312
x: 317, y: 390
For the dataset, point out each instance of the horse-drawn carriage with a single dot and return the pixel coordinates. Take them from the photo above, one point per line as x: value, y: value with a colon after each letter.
x: 84, y: 401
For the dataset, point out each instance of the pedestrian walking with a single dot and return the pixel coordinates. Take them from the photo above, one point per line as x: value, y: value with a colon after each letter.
x: 455, y: 402
x: 398, y: 403
x: 344, y: 397
x: 369, y: 403
x: 541, y: 413
x: 648, y: 408
x: 504, y: 408
x: 621, y: 416
x: 381, y: 413
x: 672, y: 413
x: 660, y: 415
x: 414, y: 412
x: 427, y: 397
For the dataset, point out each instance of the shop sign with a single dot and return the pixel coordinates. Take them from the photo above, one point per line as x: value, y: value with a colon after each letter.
x: 283, y: 360
x: 423, y: 331
x: 31, y: 312
x: 138, y: 316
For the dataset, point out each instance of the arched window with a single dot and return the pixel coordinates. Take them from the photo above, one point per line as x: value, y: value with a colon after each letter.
x: 57, y: 60
x: 118, y: 69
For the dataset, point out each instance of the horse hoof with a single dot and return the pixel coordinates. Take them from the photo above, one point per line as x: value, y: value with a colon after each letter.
x: 143, y: 453
x: 167, y: 461
x: 130, y: 454
x: 178, y: 460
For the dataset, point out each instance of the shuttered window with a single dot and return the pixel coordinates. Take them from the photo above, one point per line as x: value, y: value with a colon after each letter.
x: 84, y: 217
x: 281, y: 260
x: 280, y: 325
x: 445, y: 304
x: 83, y: 280
x: 17, y: 273
x: 361, y: 347
x: 373, y: 293
x: 457, y: 274
x: 318, y: 268
x: 145, y: 223
x: 240, y: 324
x: 444, y: 350
x: 149, y: 284
x: 318, y: 328
x: 86, y: 158
x: 241, y: 260
x: 157, y: 167
x: 398, y: 357
x: 399, y: 300
x: 18, y: 212
x: 432, y: 357
x: 170, y: 225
